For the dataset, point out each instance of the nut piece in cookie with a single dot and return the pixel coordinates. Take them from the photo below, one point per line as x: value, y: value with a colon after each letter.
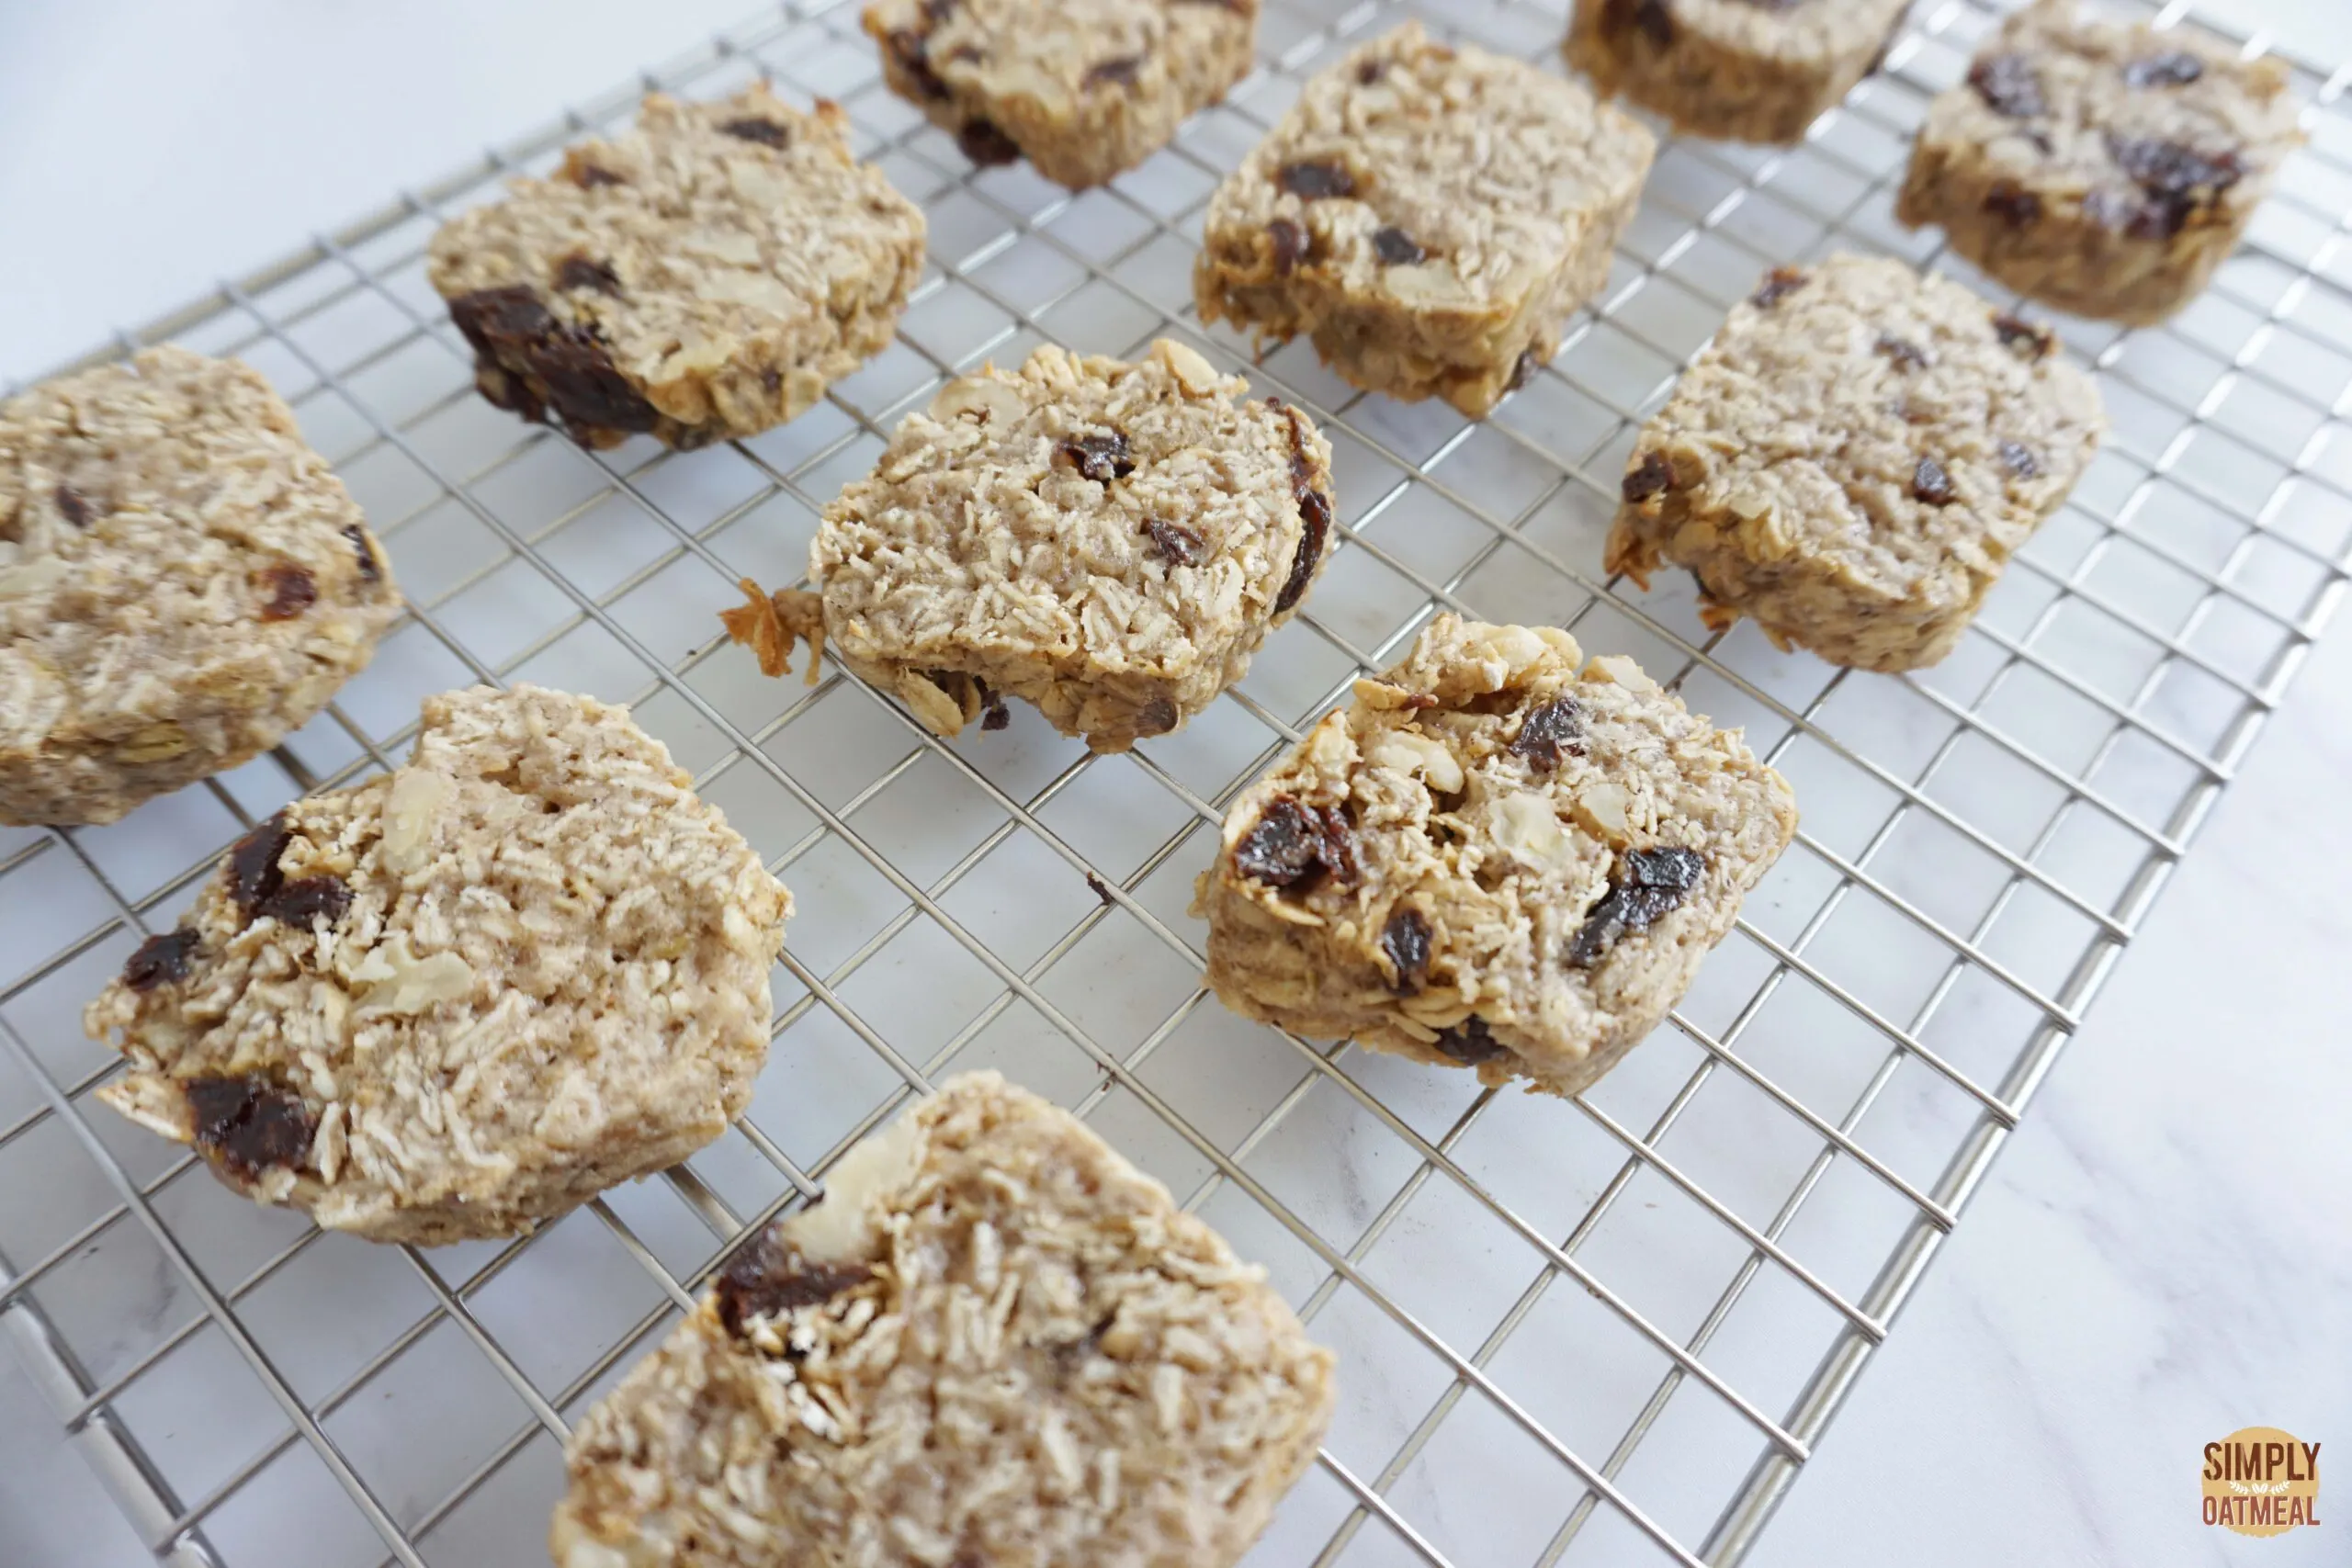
x: 461, y: 998
x: 1084, y: 89
x: 2102, y: 167
x: 704, y: 277
x: 1499, y: 856
x: 992, y: 1341
x: 1732, y: 70
x: 182, y: 582
x: 1854, y: 458
x: 1110, y: 541
x: 1429, y: 216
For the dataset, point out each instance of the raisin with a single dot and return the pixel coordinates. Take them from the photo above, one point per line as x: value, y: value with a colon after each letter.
x: 994, y: 715
x: 2177, y: 181
x: 1931, y: 484
x: 1653, y: 475
x: 1396, y: 248
x: 1102, y: 890
x: 1523, y: 371
x: 578, y: 271
x: 1649, y: 17
x: 1469, y: 1041
x: 986, y: 146
x: 1783, y: 282
x: 2008, y: 82
x: 1903, y: 352
x: 1295, y: 842
x: 911, y: 50
x: 371, y: 570
x: 296, y: 902
x: 160, y: 960
x: 588, y: 177
x: 250, y: 1126
x: 1177, y: 545
x: 2020, y: 459
x: 1122, y: 70
x: 2156, y: 217
x: 1372, y: 70
x: 765, y: 1278
x: 1099, y: 458
x: 1290, y: 245
x: 2169, y: 169
x: 1159, y: 716
x: 74, y: 506
x: 1405, y: 940
x: 2173, y: 70
x: 751, y: 127
x: 1314, y: 514
x: 2016, y: 333
x: 513, y: 331
x: 252, y: 864
x: 2013, y: 204
x: 1549, y: 730
x: 289, y: 591
x: 1648, y: 884
x: 1314, y: 182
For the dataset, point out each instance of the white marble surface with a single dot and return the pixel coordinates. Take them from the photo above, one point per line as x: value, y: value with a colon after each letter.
x: 2157, y: 1259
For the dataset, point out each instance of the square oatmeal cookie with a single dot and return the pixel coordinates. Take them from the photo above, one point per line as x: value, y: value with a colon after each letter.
x: 1084, y: 89
x: 460, y: 999
x: 994, y: 1341
x: 1430, y: 216
x: 183, y: 583
x: 2101, y: 167
x: 1735, y: 70
x: 1109, y: 541
x: 704, y: 277
x: 1854, y: 458
x: 1499, y: 856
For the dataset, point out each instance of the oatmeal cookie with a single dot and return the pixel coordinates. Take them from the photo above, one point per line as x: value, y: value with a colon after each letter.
x: 461, y: 998
x: 1854, y: 458
x: 1500, y: 856
x: 1733, y: 70
x: 1083, y: 89
x: 994, y: 1341
x: 2103, y: 167
x: 182, y: 582
x: 704, y: 277
x: 1111, y: 541
x: 1429, y: 216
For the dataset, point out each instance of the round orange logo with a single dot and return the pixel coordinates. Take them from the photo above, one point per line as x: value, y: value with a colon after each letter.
x: 2261, y: 1481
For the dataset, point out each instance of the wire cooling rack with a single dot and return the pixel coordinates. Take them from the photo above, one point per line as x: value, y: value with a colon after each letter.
x: 1601, y: 1331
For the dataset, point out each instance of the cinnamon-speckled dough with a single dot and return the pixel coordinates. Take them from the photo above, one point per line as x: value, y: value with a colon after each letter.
x: 1854, y: 458
x: 1735, y: 70
x: 994, y: 1341
x: 463, y: 997
x: 706, y: 276
x: 1083, y: 89
x: 2103, y: 167
x: 1499, y: 856
x: 1111, y: 541
x: 182, y: 582
x: 1430, y: 216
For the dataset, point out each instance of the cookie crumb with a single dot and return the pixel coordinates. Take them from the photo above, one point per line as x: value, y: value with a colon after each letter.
x: 769, y: 624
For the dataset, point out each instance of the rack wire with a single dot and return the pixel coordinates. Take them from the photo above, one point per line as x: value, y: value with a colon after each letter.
x: 1595, y: 1331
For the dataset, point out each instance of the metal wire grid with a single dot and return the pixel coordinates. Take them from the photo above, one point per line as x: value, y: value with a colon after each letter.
x: 1745, y: 1204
